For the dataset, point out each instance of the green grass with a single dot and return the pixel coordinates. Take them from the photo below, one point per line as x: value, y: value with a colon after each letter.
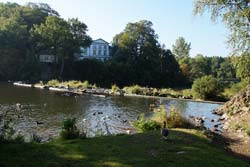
x: 164, y: 92
x: 72, y: 84
x: 244, y: 126
x: 145, y: 149
x: 234, y: 89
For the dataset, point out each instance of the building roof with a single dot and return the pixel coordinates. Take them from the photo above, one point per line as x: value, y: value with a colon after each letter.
x: 100, y: 40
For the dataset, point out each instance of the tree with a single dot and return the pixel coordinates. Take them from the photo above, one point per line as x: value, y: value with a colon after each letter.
x: 200, y: 66
x: 235, y: 14
x: 44, y: 8
x: 215, y: 64
x: 137, y: 46
x: 61, y: 38
x: 181, y: 48
x: 242, y: 65
x: 15, y: 44
x: 140, y: 59
x: 226, y: 70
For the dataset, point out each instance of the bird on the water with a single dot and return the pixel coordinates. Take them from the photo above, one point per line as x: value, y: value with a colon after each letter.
x: 164, y: 131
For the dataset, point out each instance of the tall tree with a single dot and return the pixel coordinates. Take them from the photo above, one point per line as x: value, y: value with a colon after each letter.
x: 215, y: 65
x: 200, y: 66
x: 60, y: 37
x: 226, y: 69
x: 235, y: 14
x: 137, y: 46
x: 181, y: 48
x: 15, y: 45
x: 140, y: 59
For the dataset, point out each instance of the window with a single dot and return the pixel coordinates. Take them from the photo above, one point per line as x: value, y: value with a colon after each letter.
x: 104, y: 50
x: 99, y: 50
x: 83, y: 51
x: 94, y: 50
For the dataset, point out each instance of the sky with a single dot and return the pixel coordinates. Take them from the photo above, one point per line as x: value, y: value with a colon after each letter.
x: 171, y: 19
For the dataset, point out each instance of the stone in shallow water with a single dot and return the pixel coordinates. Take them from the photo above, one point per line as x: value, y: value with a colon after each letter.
x: 181, y: 152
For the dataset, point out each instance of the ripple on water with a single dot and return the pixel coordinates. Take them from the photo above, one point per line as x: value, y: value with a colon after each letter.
x: 42, y: 112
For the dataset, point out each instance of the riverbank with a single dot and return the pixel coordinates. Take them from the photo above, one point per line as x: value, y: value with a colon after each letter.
x: 74, y: 88
x: 185, y: 148
x: 236, y: 117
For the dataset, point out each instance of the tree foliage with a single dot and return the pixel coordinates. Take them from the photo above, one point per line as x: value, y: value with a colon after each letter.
x: 15, y: 44
x: 145, y: 62
x: 206, y: 87
x: 181, y: 48
x: 242, y: 64
x: 235, y: 14
x: 61, y: 38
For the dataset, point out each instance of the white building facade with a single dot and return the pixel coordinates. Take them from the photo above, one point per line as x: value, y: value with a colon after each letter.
x: 47, y: 58
x: 98, y: 49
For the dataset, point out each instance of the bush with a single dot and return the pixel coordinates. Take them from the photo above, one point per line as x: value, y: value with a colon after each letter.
x: 187, y: 93
x: 69, y: 129
x: 53, y: 82
x: 176, y: 120
x: 135, y: 89
x: 173, y: 118
x: 114, y: 88
x: 86, y: 84
x: 234, y: 89
x: 168, y: 92
x: 143, y: 125
x: 72, y: 84
x: 206, y: 87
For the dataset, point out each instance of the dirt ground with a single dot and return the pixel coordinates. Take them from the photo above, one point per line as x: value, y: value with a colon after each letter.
x: 238, y: 142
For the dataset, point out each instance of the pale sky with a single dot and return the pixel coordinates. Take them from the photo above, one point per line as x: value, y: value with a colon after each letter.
x: 171, y: 19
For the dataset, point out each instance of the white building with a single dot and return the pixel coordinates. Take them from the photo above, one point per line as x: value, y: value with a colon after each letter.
x: 47, y: 58
x: 98, y: 49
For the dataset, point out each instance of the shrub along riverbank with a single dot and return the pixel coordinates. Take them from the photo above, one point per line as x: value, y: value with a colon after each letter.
x: 128, y: 90
x: 186, y: 148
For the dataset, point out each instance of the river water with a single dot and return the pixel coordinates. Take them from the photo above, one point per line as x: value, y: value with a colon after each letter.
x: 41, y: 112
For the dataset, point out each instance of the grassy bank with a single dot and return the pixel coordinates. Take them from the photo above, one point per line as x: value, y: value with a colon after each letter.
x: 183, y: 148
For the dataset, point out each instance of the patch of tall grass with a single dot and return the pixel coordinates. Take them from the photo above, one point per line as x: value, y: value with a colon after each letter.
x: 69, y: 130
x: 53, y: 82
x: 68, y: 84
x: 164, y: 92
x: 114, y: 88
x: 243, y: 127
x: 173, y: 118
x: 145, y: 125
x: 135, y: 89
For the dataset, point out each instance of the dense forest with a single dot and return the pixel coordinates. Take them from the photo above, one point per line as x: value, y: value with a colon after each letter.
x: 137, y: 55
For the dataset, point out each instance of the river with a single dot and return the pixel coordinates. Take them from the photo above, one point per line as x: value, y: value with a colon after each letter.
x: 42, y: 112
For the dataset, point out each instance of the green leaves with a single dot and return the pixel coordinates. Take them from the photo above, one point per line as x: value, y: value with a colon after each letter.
x: 181, y: 48
x: 206, y: 87
x: 143, y: 60
x: 242, y: 64
x: 235, y: 14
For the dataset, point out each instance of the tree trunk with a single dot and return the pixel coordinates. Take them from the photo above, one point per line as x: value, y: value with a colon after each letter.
x: 62, y: 67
